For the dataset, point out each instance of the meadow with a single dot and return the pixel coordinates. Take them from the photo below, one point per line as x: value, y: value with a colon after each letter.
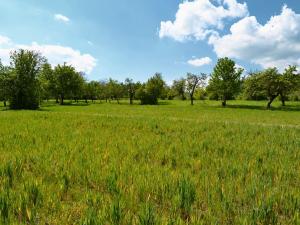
x: 167, y: 164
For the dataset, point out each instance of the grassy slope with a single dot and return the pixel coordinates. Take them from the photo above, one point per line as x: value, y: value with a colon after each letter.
x: 103, y: 160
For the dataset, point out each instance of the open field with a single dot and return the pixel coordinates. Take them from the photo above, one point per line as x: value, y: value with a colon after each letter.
x: 166, y: 164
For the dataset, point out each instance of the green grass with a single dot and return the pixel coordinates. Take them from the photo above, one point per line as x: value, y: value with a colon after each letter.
x: 166, y: 164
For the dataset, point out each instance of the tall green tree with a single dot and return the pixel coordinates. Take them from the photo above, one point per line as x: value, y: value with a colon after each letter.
x: 179, y: 88
x: 225, y: 80
x: 91, y: 90
x: 252, y: 88
x: 131, y: 89
x: 47, y: 82
x: 68, y: 82
x: 103, y: 91
x: 272, y: 84
x: 26, y: 66
x: 152, y: 90
x: 4, y: 83
x: 289, y: 82
x: 192, y: 82
x: 115, y: 89
x: 269, y: 82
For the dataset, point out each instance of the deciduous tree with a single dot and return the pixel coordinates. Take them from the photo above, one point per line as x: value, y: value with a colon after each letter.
x: 69, y: 83
x: 179, y: 88
x: 152, y: 90
x: 131, y: 89
x: 192, y: 82
x: 26, y: 66
x: 225, y: 80
x: 5, y: 83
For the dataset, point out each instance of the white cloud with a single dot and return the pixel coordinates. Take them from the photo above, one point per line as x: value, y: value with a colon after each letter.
x: 200, y: 62
x: 239, y: 66
x: 4, y: 40
x: 199, y: 18
x: 56, y: 54
x: 276, y: 43
x: 62, y: 18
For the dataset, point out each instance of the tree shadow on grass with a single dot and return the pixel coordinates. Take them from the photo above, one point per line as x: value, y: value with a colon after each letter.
x: 46, y: 105
x: 257, y: 107
x: 164, y: 103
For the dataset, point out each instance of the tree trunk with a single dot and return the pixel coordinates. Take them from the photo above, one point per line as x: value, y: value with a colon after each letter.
x: 131, y: 101
x: 4, y: 103
x: 57, y: 100
x: 62, y: 100
x: 271, y: 100
x: 283, y: 100
x: 224, y: 103
x: 118, y: 101
x: 192, y: 99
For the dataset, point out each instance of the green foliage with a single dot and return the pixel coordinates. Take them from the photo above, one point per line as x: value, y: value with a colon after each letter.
x: 68, y: 82
x: 271, y: 83
x: 179, y: 88
x: 225, y: 79
x: 91, y: 90
x: 24, y: 90
x: 115, y: 89
x: 193, y: 82
x: 200, y: 94
x: 289, y: 82
x: 5, y: 83
x: 47, y: 82
x: 151, y: 91
x: 252, y: 89
x: 131, y: 88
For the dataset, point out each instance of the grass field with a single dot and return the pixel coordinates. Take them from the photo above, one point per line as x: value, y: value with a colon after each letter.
x: 166, y: 164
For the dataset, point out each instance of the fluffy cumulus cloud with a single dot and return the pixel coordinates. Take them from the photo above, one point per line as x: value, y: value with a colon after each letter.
x: 4, y: 40
x: 200, y: 62
x: 56, y: 54
x: 199, y: 18
x: 62, y: 18
x: 276, y: 43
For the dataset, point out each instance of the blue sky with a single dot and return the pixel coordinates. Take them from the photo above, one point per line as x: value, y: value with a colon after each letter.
x: 125, y: 38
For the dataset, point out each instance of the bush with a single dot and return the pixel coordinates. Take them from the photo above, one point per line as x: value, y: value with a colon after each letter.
x: 152, y: 90
x: 145, y: 97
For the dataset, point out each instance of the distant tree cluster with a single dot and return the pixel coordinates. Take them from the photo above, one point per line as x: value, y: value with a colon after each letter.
x: 269, y: 84
x: 30, y: 79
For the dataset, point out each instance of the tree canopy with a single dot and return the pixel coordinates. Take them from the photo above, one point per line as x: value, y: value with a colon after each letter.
x: 26, y: 66
x: 225, y: 79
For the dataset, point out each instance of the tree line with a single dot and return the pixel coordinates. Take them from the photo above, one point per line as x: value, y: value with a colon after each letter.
x: 30, y: 79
